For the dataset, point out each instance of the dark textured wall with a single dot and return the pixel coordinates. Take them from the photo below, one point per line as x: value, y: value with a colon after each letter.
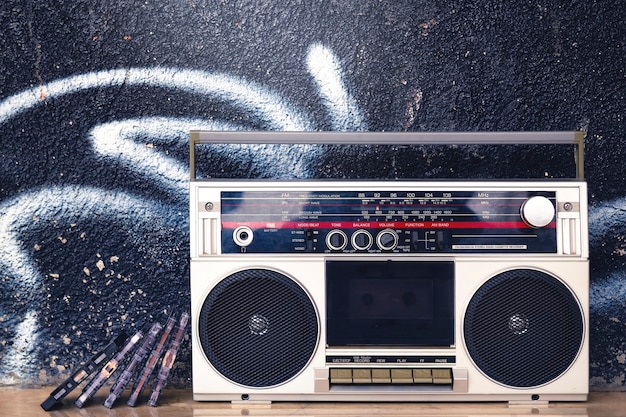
x: 97, y: 98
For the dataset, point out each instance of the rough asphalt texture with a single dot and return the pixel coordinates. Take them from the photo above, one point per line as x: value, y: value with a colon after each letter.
x: 108, y: 246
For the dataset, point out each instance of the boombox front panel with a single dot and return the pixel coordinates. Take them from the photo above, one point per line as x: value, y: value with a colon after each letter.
x: 539, y: 344
x: 363, y: 312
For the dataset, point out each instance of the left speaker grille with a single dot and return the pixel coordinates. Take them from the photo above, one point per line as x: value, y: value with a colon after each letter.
x: 258, y: 328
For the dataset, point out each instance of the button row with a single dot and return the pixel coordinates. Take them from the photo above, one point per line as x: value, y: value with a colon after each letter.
x: 439, y: 376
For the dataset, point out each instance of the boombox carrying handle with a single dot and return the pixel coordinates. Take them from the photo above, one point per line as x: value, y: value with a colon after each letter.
x: 390, y: 138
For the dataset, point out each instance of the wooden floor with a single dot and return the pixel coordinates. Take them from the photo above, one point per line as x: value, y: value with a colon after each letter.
x: 26, y: 403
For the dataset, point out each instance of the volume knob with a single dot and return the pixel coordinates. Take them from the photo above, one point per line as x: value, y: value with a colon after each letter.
x: 387, y: 239
x: 537, y: 211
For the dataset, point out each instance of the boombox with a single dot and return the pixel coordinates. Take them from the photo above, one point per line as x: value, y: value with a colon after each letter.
x: 389, y: 290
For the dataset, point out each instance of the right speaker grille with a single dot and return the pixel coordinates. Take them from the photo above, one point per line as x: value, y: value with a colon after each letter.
x: 523, y: 328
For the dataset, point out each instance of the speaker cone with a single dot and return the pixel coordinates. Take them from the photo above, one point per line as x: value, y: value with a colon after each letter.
x: 523, y: 328
x: 258, y: 328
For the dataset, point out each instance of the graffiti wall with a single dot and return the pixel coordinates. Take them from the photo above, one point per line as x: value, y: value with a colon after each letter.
x: 97, y: 98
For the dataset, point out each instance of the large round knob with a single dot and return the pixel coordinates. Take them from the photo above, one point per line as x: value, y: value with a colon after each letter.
x: 537, y: 211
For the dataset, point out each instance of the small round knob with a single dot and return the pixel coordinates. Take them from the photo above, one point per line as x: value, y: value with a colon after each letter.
x: 361, y: 240
x: 336, y: 240
x: 387, y: 239
x: 537, y: 211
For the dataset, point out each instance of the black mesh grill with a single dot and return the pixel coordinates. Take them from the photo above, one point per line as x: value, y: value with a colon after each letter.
x: 523, y: 328
x: 258, y: 328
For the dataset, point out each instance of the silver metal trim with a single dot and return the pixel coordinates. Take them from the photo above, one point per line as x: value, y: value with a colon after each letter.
x: 391, y: 138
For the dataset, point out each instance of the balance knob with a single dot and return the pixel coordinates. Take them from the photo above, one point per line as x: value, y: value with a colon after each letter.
x: 361, y: 240
x: 537, y: 211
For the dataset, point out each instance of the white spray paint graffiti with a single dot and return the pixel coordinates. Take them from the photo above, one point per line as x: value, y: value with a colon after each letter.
x: 23, y: 350
x: 243, y: 94
x: 324, y: 67
x: 119, y: 140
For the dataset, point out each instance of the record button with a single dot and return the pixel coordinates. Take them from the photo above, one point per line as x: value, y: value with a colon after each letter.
x: 362, y: 376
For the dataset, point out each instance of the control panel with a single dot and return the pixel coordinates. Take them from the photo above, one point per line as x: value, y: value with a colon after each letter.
x: 327, y: 217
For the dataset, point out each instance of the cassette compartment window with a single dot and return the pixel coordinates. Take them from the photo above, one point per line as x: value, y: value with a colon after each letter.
x: 389, y: 303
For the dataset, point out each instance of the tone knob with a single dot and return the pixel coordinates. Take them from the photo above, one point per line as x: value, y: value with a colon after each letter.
x: 336, y: 240
x: 537, y: 211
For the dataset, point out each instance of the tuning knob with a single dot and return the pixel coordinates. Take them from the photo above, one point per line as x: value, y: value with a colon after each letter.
x: 537, y: 211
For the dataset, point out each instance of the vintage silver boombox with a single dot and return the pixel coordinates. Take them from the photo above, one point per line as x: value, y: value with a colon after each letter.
x: 389, y: 290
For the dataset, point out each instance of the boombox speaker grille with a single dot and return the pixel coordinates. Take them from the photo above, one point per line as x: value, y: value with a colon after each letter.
x: 523, y: 328
x: 258, y: 328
